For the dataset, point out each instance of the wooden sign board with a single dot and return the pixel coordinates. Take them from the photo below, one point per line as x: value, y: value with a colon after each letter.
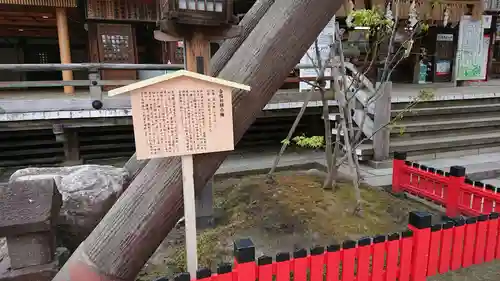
x: 181, y: 113
x: 182, y: 117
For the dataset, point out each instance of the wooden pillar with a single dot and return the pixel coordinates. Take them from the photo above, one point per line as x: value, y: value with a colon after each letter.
x: 71, y: 148
x: 381, y: 140
x: 64, y: 46
x: 197, y: 53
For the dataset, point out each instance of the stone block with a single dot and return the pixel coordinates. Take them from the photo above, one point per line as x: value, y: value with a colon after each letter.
x: 204, y: 206
x: 33, y: 273
x: 31, y: 249
x: 28, y: 206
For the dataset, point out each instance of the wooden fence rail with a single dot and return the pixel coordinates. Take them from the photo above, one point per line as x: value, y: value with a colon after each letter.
x: 94, y: 82
x: 99, y: 66
x: 453, y: 190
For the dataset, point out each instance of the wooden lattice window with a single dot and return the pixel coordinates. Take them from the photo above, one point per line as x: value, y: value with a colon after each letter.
x: 115, y: 47
x: 43, y: 57
x: 136, y: 10
x: 116, y: 43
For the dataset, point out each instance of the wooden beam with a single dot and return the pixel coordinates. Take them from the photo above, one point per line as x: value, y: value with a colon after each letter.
x: 28, y: 13
x: 151, y: 206
x: 64, y: 46
x: 21, y: 23
x: 27, y: 32
x: 173, y: 31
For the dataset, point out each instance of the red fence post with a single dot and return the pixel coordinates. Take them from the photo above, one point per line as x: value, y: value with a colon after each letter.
x: 282, y: 267
x: 332, y: 262
x: 482, y: 231
x: 457, y: 248
x: 420, y: 224
x: 184, y: 276
x: 244, y: 257
x: 224, y: 272
x: 265, y: 271
x: 363, y: 258
x: 491, y: 240
x: 203, y: 274
x: 397, y: 165
x: 433, y: 262
x: 378, y: 259
x: 445, y: 249
x: 469, y: 238
x: 393, y: 247
x: 317, y: 263
x: 300, y: 265
x: 348, y: 260
x: 455, y: 181
x: 406, y: 245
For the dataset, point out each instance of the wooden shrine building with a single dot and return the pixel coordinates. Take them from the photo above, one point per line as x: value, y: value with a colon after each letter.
x: 122, y: 31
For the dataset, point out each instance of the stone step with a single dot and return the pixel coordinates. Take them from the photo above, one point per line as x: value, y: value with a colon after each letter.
x: 424, y: 123
x: 478, y: 167
x: 443, y: 142
x: 495, y: 182
x: 446, y: 111
x: 479, y: 113
x: 440, y: 124
x: 446, y: 101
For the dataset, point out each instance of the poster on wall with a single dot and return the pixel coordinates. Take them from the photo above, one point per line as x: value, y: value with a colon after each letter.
x: 325, y: 39
x: 443, y: 67
x: 470, y: 51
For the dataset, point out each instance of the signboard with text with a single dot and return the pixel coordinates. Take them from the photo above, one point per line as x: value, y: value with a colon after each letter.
x: 181, y: 113
x: 181, y: 118
x: 325, y: 40
x: 470, y: 51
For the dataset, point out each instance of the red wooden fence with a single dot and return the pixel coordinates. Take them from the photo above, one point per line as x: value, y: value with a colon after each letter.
x: 425, y: 249
x: 453, y: 190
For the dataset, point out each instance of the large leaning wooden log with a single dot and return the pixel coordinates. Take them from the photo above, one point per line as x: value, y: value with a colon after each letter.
x: 219, y: 60
x: 141, y: 218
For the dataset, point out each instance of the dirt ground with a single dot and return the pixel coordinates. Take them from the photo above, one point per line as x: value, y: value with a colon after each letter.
x: 295, y: 213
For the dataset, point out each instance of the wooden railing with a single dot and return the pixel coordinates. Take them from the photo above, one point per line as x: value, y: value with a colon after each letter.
x: 94, y: 81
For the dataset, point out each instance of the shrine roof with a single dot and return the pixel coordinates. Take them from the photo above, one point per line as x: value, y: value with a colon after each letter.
x: 173, y: 75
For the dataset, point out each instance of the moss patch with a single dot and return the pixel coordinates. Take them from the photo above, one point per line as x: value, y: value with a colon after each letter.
x: 294, y: 213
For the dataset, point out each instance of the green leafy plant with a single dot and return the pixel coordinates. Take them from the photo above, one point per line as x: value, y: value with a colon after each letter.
x: 374, y: 19
x: 314, y: 142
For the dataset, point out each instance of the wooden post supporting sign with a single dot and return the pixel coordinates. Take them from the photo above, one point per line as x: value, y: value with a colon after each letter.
x: 189, y: 213
x: 197, y: 59
x: 189, y: 118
